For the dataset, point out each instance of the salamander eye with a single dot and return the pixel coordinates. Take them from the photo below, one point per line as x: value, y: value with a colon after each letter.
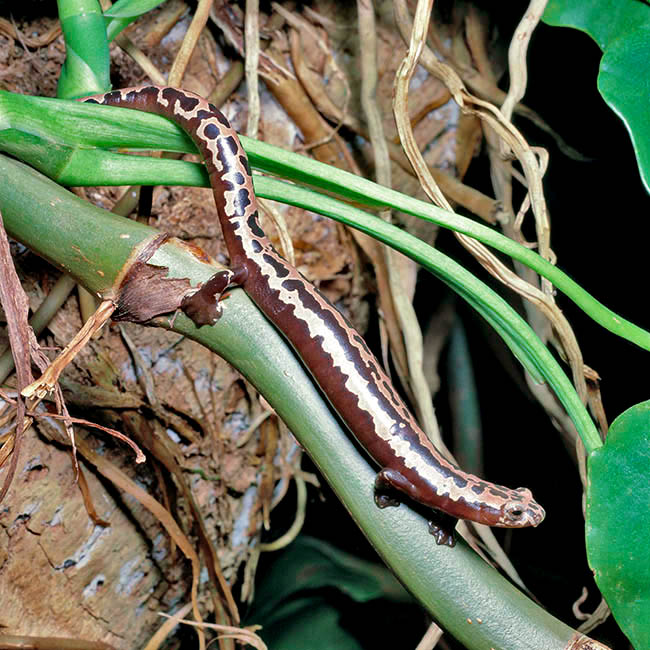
x: 514, y: 510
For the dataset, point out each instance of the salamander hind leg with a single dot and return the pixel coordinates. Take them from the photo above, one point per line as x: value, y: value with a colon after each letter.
x: 387, y: 481
x: 202, y: 306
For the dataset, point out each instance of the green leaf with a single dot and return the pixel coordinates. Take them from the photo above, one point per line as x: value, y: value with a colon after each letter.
x: 78, y: 78
x: 310, y: 564
x: 309, y: 622
x: 618, y: 521
x: 293, y: 614
x: 131, y: 8
x: 622, y: 30
x: 124, y: 12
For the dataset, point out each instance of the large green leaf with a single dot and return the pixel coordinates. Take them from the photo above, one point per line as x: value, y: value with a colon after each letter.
x: 622, y: 30
x: 618, y: 521
x: 310, y: 564
x: 308, y: 622
x: 295, y: 612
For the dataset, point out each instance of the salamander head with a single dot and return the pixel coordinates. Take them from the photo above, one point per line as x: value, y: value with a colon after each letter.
x: 520, y: 510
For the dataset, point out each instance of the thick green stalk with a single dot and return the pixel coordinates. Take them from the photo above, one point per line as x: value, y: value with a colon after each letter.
x: 454, y: 585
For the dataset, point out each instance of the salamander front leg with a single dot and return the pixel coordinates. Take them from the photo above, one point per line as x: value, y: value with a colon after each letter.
x: 386, y: 482
x: 441, y: 526
x: 202, y: 306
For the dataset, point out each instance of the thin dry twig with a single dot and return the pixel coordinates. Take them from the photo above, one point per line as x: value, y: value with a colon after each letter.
x: 286, y: 245
x: 252, y: 41
x: 46, y: 383
x: 9, y: 29
x: 543, y: 300
x: 68, y: 419
x: 369, y: 76
x: 165, y: 629
x: 253, y: 427
x: 493, y: 118
x: 24, y: 349
x: 139, y: 455
x: 400, y: 108
x: 227, y: 84
x: 309, y: 78
x: 201, y: 15
x: 243, y: 634
x: 430, y: 638
x: 517, y: 56
x: 147, y: 65
x: 227, y: 17
x: 294, y: 530
x: 482, y: 81
x: 596, y: 618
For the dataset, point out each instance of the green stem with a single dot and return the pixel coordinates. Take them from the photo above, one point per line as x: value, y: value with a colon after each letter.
x: 86, y: 67
x: 455, y: 586
x: 299, y: 168
x: 30, y: 124
x: 515, y: 332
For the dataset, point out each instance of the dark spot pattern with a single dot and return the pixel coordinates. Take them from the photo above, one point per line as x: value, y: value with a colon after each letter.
x: 188, y: 104
x: 185, y: 101
x: 498, y: 493
x: 361, y: 343
x: 221, y: 117
x: 280, y: 268
x: 212, y: 131
x: 227, y: 186
x: 244, y: 163
x: 391, y: 391
x: 231, y: 143
x: 254, y: 225
x: 293, y: 285
x: 202, y: 115
x: 242, y: 201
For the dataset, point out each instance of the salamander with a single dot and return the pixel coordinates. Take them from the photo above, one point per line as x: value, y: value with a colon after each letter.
x: 334, y: 352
